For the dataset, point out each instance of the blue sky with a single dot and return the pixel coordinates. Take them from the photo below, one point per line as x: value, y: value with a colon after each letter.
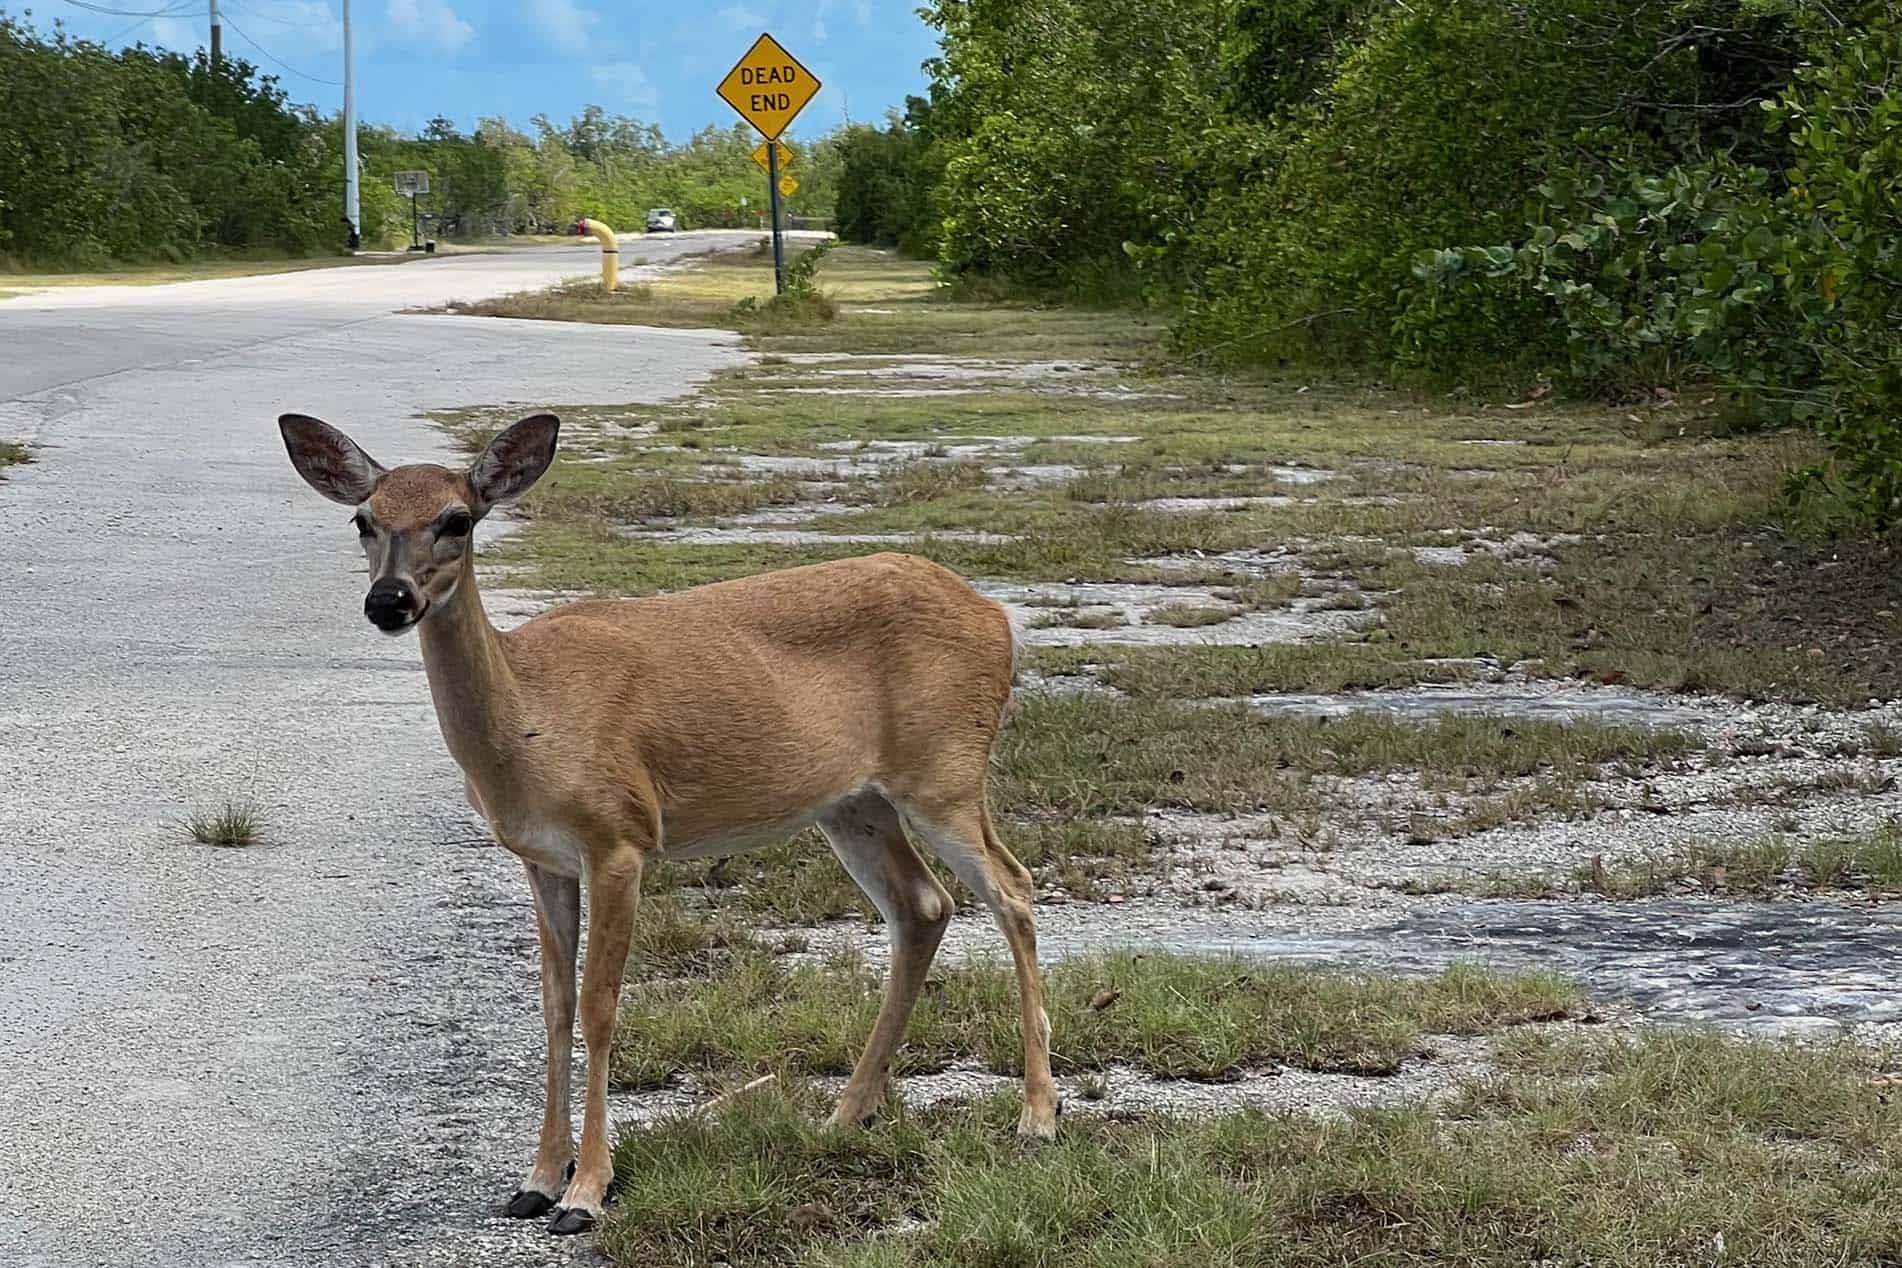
x: 471, y: 58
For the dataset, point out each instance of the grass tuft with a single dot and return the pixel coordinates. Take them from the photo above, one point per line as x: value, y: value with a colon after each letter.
x: 1189, y: 615
x: 233, y: 824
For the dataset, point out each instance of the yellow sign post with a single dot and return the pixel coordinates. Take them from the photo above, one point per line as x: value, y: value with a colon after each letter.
x: 788, y: 185
x: 769, y: 87
x: 765, y: 160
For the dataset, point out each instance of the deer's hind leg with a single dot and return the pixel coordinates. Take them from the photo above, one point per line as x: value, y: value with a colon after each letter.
x: 866, y: 834
x: 961, y: 834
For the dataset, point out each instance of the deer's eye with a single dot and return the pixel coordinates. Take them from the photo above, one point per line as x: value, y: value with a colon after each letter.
x: 457, y: 525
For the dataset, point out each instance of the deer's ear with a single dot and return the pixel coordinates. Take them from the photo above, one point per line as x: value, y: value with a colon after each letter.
x: 514, y: 460
x: 329, y: 461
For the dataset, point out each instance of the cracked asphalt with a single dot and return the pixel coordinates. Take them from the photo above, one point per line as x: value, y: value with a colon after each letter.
x: 324, y: 1049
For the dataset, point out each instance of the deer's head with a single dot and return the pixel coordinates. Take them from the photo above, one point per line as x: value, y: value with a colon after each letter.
x: 417, y: 523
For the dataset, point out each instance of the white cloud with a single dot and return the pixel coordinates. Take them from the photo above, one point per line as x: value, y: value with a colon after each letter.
x: 741, y: 17
x: 175, y: 33
x: 428, y: 22
x: 624, y: 84
x: 565, y: 25
x: 861, y: 16
x: 314, y: 26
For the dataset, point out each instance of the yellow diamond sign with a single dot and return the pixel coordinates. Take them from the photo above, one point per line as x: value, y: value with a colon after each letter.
x: 768, y: 87
x: 785, y: 156
x: 788, y: 186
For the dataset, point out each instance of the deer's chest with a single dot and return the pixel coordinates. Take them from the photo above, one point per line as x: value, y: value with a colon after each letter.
x: 532, y: 837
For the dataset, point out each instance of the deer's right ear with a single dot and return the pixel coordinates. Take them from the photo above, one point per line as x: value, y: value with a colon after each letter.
x: 329, y: 461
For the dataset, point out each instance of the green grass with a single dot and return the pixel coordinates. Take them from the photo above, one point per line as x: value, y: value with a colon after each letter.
x: 1086, y: 754
x: 232, y: 824
x: 1176, y: 1016
x: 1074, y: 619
x: 18, y: 277
x: 1190, y: 616
x: 1760, y: 868
x: 923, y: 480
x: 1676, y: 1149
x: 799, y: 882
x: 12, y: 453
x: 631, y: 498
x: 1765, y: 868
x: 1199, y: 673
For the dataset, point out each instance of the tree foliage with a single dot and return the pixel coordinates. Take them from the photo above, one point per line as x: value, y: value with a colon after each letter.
x: 145, y: 153
x: 887, y: 179
x: 105, y: 155
x: 1069, y: 128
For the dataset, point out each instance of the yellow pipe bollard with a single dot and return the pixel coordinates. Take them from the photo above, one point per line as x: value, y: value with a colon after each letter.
x: 610, y: 253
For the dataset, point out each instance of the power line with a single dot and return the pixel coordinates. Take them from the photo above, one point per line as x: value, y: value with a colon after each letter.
x: 256, y: 16
x: 170, y: 11
x: 280, y: 61
x: 109, y: 42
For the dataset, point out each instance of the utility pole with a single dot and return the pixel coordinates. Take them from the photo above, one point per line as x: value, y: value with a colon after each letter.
x: 350, y: 205
x: 217, y: 36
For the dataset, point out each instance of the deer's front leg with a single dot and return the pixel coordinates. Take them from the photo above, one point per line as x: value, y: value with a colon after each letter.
x: 614, y: 891
x: 558, y: 921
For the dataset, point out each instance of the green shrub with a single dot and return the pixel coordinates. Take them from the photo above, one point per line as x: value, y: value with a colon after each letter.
x: 1843, y: 121
x: 1434, y: 128
x: 1650, y: 280
x: 1781, y: 289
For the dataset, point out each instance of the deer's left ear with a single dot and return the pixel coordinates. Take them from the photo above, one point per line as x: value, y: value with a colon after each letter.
x: 514, y: 460
x: 330, y: 462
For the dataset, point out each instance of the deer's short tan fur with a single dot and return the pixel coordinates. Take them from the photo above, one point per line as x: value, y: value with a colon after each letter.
x: 863, y: 696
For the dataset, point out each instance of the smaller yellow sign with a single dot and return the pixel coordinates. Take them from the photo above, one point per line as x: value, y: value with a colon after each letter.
x: 768, y: 87
x: 788, y: 186
x: 785, y: 156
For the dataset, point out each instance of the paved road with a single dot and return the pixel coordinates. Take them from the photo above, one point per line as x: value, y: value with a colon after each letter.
x: 322, y: 1050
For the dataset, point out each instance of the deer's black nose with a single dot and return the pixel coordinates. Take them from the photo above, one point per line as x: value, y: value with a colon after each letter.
x: 391, y: 604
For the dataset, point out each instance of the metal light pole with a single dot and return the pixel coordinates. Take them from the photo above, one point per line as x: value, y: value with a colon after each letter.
x: 350, y: 207
x: 217, y: 36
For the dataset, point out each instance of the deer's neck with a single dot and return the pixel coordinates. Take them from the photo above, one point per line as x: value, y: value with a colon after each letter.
x: 477, y: 698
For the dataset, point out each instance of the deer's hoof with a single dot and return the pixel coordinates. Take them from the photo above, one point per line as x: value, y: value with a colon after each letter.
x: 526, y: 1204
x: 571, y: 1220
